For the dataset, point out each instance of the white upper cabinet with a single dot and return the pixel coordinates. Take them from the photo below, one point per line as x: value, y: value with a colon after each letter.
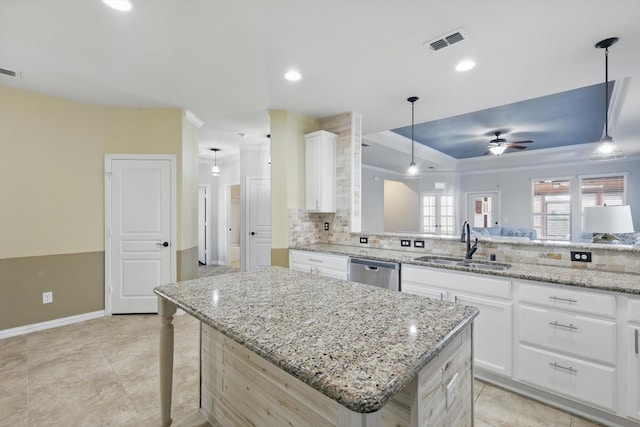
x: 320, y: 171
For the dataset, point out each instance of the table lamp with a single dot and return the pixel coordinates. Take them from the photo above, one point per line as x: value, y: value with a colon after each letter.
x: 605, y: 221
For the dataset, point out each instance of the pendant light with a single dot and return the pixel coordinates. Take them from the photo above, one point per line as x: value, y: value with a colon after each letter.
x: 215, y: 170
x: 607, y: 148
x: 412, y: 171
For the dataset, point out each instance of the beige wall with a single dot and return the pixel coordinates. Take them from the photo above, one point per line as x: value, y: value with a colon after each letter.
x: 51, y: 179
x: 287, y: 174
x: 52, y: 196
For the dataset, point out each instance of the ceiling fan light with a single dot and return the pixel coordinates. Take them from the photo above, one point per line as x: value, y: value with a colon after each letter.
x: 498, y: 149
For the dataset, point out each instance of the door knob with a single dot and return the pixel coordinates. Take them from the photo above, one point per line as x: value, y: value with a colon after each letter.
x: 253, y: 233
x: 165, y: 244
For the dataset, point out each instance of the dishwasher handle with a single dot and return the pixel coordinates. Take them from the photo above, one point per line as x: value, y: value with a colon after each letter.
x: 371, y: 268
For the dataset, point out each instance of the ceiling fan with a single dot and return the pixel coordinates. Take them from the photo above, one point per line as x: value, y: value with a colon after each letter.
x: 498, y: 145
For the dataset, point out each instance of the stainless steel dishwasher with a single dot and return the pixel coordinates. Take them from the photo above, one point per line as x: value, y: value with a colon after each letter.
x: 377, y: 273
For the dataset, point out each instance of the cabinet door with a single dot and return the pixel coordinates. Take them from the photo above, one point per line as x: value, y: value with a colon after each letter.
x: 492, y: 333
x: 320, y: 171
x: 633, y: 376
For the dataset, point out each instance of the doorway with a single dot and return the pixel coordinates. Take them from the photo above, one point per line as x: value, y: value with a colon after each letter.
x: 233, y: 225
x: 204, y: 219
x: 483, y: 209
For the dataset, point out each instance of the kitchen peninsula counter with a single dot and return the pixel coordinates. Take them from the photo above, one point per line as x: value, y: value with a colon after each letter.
x: 338, y: 352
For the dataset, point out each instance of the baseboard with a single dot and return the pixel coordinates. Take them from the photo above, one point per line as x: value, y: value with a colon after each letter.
x: 27, y: 329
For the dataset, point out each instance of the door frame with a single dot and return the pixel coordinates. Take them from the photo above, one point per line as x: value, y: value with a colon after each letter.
x: 108, y: 159
x: 207, y: 220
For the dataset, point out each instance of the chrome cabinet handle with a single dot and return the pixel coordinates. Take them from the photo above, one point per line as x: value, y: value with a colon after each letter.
x: 563, y: 299
x: 636, y: 336
x: 570, y: 369
x: 560, y: 325
x: 455, y: 298
x: 314, y: 260
x: 442, y: 299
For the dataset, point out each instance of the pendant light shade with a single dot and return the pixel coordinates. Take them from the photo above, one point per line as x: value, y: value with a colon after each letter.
x: 607, y: 148
x: 413, y: 171
x: 215, y: 170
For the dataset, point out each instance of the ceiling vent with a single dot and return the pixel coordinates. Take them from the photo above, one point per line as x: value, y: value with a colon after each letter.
x: 446, y: 40
x: 7, y: 72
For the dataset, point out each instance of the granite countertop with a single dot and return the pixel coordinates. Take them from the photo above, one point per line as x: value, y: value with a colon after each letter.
x: 587, y: 278
x: 355, y: 343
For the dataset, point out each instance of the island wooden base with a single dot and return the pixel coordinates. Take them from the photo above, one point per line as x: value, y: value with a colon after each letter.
x: 240, y: 388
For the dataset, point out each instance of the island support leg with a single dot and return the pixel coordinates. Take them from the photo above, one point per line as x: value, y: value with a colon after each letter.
x: 166, y: 310
x: 348, y: 418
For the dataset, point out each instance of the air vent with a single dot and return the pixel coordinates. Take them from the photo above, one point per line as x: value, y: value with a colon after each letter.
x: 7, y: 72
x: 446, y: 40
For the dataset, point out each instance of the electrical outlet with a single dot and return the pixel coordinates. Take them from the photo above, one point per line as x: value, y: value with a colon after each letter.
x: 405, y: 243
x: 452, y: 390
x: 364, y: 240
x: 418, y: 243
x: 47, y: 297
x: 326, y: 226
x: 580, y: 256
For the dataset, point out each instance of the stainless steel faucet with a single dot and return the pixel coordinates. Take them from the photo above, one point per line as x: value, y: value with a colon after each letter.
x: 466, y: 237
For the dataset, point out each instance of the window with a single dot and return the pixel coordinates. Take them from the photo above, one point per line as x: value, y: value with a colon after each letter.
x: 438, y: 214
x: 552, y: 209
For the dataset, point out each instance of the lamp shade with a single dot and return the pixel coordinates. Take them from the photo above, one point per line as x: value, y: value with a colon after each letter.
x: 607, y: 219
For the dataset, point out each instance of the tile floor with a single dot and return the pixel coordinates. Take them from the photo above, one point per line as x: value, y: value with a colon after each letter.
x: 104, y: 372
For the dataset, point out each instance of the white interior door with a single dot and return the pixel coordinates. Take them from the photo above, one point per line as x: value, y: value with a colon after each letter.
x: 139, y: 233
x: 258, y: 218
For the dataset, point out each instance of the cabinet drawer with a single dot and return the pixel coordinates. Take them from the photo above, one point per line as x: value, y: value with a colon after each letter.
x: 425, y: 291
x: 633, y: 308
x: 561, y: 297
x: 480, y: 284
x: 568, y: 332
x: 577, y: 379
x: 317, y: 259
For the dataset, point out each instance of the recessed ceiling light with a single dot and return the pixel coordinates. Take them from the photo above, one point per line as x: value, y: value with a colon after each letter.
x: 293, y: 75
x: 122, y: 5
x: 465, y: 65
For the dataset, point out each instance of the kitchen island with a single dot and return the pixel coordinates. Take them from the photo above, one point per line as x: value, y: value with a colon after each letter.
x: 280, y: 347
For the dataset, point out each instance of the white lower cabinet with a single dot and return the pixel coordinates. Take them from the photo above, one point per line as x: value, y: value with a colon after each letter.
x: 632, y: 353
x: 329, y: 265
x: 492, y: 329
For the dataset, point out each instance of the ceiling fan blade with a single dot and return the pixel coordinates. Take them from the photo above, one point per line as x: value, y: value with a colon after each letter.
x: 486, y: 152
x: 522, y: 142
x: 518, y: 147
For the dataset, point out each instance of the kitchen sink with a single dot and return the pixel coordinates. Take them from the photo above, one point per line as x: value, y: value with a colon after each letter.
x: 469, y: 263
